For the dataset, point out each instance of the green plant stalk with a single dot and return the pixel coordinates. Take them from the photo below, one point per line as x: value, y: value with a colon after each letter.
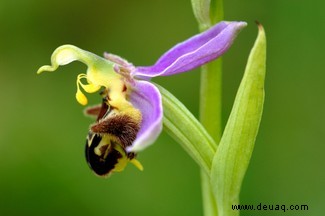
x: 210, y: 98
x: 210, y: 117
x: 211, y: 109
x: 216, y: 11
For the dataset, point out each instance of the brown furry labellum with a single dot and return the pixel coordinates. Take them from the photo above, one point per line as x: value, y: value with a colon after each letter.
x: 108, y: 138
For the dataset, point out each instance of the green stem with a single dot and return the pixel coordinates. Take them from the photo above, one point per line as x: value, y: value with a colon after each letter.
x: 211, y: 109
x: 210, y: 117
x: 210, y: 98
x: 216, y: 11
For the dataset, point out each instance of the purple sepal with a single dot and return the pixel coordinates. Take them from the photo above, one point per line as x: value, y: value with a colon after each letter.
x: 194, y: 52
x: 146, y: 97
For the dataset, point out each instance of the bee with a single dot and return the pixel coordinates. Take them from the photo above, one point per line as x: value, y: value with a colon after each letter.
x: 115, y: 129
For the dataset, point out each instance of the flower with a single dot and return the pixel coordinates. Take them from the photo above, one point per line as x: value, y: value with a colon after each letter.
x: 130, y: 116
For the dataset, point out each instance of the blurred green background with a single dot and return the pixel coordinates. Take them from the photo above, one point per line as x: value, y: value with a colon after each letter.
x: 42, y: 129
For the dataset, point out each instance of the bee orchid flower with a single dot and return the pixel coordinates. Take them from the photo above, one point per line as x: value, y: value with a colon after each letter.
x: 130, y: 116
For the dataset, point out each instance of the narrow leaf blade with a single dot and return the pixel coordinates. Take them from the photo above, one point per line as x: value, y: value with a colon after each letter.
x: 236, y: 146
x: 181, y: 125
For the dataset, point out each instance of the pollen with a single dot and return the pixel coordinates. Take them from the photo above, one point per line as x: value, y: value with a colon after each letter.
x: 89, y: 88
x: 81, y: 98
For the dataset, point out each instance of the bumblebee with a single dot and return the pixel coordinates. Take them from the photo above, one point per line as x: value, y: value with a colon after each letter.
x: 115, y: 129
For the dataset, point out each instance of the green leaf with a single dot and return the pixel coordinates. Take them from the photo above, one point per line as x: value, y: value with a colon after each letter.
x: 235, y: 148
x: 180, y: 124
